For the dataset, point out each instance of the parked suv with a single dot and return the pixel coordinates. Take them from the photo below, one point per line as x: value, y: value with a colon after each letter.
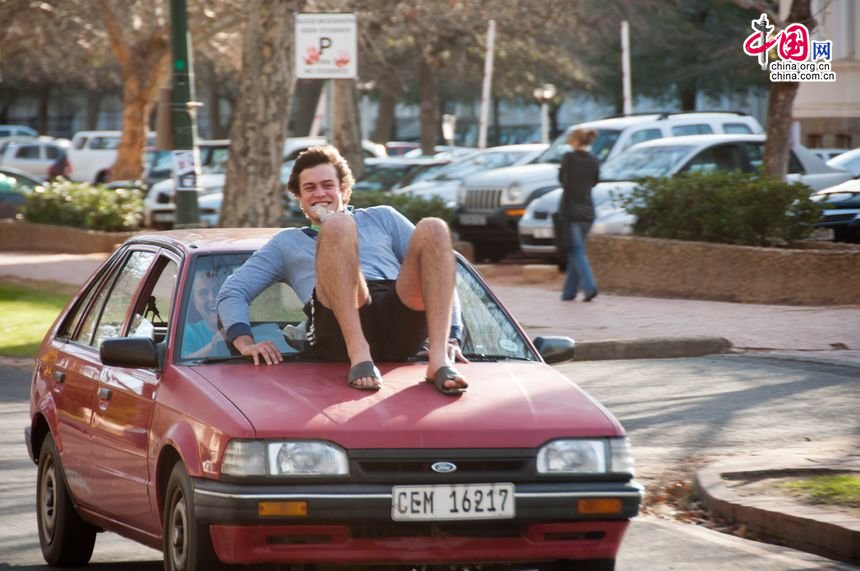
x: 490, y: 204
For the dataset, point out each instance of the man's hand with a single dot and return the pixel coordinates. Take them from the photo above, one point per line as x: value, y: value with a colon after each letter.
x: 262, y: 351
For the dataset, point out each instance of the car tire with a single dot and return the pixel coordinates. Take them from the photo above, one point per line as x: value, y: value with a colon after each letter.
x: 489, y: 252
x: 186, y: 542
x: 65, y: 538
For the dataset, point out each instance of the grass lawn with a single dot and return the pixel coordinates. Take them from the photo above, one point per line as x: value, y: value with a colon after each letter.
x: 28, y: 309
x: 842, y: 489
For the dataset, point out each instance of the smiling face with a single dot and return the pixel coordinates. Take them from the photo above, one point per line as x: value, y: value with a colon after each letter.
x: 319, y: 186
x: 205, y: 291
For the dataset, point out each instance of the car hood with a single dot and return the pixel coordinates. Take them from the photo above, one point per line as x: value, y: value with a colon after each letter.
x: 523, y: 174
x: 508, y: 404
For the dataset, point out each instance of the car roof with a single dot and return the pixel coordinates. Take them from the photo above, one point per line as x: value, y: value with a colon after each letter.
x: 209, y: 240
x: 700, y: 140
x: 622, y: 122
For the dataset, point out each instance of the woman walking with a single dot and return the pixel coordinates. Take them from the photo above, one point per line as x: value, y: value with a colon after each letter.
x: 579, y: 172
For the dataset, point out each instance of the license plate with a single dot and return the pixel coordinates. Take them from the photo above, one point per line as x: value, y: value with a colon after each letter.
x: 163, y: 216
x: 473, y: 220
x: 452, y: 502
x: 822, y: 234
x: 544, y: 233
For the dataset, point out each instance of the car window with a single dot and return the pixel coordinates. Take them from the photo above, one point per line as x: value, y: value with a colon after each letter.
x: 53, y: 152
x: 755, y: 154
x: 29, y: 152
x: 737, y: 128
x: 152, y: 311
x: 645, y: 135
x: 107, y: 313
x: 721, y: 158
x: 104, y: 143
x: 637, y: 163
x: 216, y: 161
x: 685, y: 130
x: 794, y: 164
x: 80, y: 142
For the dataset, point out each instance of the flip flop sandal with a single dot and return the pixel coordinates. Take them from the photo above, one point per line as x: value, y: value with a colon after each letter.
x: 446, y: 373
x: 362, y: 370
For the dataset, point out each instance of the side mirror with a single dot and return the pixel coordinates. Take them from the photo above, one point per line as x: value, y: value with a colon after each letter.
x: 555, y: 349
x: 133, y: 352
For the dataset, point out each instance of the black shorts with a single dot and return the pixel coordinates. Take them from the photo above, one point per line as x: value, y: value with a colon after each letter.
x: 393, y: 331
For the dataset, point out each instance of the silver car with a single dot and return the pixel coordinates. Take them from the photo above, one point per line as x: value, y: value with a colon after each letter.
x: 665, y: 157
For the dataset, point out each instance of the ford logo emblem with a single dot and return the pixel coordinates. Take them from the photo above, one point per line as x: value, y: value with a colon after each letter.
x: 443, y: 467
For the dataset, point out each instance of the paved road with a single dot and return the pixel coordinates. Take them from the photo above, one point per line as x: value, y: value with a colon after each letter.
x: 676, y: 410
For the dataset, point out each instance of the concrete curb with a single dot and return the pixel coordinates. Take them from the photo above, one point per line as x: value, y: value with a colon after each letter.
x: 650, y: 348
x: 807, y: 528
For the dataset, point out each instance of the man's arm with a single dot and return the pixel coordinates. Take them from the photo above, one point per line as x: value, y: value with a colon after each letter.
x: 260, y: 271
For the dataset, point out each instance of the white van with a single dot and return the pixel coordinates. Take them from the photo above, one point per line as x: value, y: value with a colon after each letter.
x: 491, y: 203
x: 93, y: 153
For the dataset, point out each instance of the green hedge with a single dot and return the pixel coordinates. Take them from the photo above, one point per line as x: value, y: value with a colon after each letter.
x: 731, y: 208
x: 413, y: 208
x: 83, y: 205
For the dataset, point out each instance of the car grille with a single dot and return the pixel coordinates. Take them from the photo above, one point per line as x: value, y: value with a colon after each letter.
x: 836, y: 216
x: 415, y: 466
x: 483, y: 198
x: 540, y: 214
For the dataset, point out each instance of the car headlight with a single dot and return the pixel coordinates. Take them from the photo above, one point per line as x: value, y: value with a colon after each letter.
x: 585, y: 457
x: 286, y: 458
x: 514, y: 194
x: 461, y: 194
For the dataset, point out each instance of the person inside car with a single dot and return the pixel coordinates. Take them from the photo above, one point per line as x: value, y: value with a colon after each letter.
x: 376, y: 286
x: 202, y: 336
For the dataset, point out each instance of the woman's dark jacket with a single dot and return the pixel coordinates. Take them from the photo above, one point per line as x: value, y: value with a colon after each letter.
x: 579, y: 172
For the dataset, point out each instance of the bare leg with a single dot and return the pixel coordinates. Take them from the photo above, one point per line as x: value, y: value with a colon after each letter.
x: 341, y: 287
x: 426, y: 283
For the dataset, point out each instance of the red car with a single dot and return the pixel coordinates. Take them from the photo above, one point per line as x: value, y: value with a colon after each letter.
x: 143, y: 423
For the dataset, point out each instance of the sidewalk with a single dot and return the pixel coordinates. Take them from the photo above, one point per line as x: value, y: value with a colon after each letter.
x: 627, y: 326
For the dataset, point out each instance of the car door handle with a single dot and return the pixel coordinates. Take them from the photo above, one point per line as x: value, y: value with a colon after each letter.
x: 59, y: 377
x: 104, y: 394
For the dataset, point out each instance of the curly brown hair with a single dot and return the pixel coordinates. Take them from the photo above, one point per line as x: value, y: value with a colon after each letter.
x: 322, y: 155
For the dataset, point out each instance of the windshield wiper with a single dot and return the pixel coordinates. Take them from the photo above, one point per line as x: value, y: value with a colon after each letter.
x: 491, y: 358
x: 235, y: 359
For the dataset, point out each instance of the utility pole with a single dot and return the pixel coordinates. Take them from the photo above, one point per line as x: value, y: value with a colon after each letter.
x: 186, y: 158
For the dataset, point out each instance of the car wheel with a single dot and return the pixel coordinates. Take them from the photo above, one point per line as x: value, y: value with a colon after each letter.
x: 65, y: 538
x: 187, y: 544
x: 490, y: 252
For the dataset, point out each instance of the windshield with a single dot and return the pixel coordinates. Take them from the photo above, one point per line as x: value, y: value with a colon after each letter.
x: 641, y: 162
x: 600, y: 147
x: 278, y: 315
x: 479, y: 162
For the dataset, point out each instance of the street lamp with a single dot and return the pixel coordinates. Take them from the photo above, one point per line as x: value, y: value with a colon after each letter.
x: 544, y: 95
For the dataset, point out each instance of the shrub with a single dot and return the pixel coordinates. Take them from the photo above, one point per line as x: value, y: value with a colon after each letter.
x: 412, y: 207
x: 732, y: 208
x: 82, y: 205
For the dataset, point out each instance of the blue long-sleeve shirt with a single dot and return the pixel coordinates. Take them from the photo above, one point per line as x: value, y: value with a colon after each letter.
x: 289, y: 257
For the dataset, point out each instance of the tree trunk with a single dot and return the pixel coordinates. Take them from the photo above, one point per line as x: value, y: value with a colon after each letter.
x: 140, y: 92
x: 687, y: 95
x: 308, y: 93
x: 253, y: 191
x: 778, y: 141
x: 781, y: 102
x: 347, y: 131
x: 384, y: 131
x: 429, y: 106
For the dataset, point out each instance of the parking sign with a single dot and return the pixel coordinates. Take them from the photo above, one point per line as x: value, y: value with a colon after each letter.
x: 326, y: 46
